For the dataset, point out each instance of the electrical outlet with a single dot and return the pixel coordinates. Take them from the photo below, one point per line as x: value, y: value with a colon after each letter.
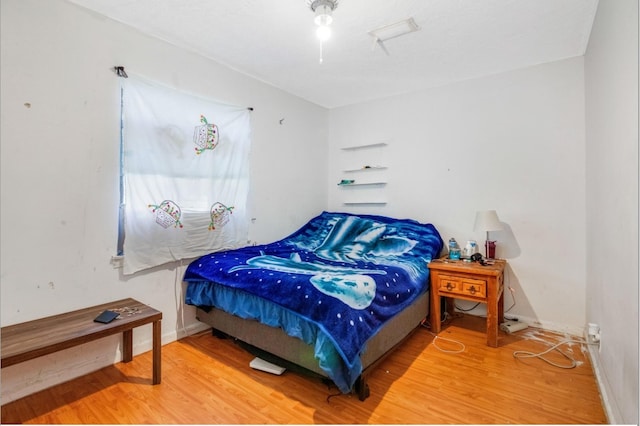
x: 593, y: 333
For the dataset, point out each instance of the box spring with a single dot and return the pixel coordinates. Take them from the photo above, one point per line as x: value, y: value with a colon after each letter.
x: 276, y: 342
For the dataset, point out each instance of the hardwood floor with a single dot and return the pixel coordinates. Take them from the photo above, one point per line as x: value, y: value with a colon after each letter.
x: 207, y: 380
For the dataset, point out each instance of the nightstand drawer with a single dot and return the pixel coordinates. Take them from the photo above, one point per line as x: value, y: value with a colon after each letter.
x: 475, y: 288
x: 450, y: 284
x: 467, y: 286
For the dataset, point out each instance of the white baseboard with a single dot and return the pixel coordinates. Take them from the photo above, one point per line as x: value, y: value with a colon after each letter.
x: 534, y: 322
x: 610, y: 408
x: 147, y: 345
x: 547, y: 325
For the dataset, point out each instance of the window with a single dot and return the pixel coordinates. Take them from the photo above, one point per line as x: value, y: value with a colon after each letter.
x: 184, y: 175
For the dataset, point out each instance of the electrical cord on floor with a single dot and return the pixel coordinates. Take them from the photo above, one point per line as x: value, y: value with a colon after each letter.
x: 573, y: 364
x: 436, y: 338
x: 333, y: 395
x: 425, y: 324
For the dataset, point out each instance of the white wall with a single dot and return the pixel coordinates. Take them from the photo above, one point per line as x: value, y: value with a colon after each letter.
x: 59, y: 172
x: 611, y: 86
x: 513, y: 142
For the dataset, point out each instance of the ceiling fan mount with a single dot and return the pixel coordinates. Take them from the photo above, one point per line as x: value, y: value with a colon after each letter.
x: 324, y: 5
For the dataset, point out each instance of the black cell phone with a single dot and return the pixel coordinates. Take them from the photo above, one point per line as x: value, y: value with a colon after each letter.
x: 106, y: 317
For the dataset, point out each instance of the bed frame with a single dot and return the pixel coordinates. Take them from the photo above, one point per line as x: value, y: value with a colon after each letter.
x: 276, y: 342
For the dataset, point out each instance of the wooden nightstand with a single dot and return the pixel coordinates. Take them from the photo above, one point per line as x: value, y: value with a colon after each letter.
x: 456, y: 279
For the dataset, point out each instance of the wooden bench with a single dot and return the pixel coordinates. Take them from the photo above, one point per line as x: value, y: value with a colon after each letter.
x: 25, y: 341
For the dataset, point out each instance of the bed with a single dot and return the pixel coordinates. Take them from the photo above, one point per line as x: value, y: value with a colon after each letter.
x: 334, y: 297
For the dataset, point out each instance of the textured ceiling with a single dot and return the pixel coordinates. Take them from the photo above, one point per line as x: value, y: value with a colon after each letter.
x: 274, y: 40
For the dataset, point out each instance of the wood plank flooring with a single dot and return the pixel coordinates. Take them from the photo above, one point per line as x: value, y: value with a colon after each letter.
x: 206, y: 380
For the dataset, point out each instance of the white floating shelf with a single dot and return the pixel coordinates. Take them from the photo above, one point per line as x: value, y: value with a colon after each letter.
x: 363, y: 184
x: 371, y: 145
x: 356, y: 203
x: 366, y: 169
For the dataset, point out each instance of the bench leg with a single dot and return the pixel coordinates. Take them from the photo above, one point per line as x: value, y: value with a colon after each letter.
x: 157, y: 347
x: 127, y: 345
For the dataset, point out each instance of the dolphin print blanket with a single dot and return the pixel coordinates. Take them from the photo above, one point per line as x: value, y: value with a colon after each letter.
x: 345, y: 274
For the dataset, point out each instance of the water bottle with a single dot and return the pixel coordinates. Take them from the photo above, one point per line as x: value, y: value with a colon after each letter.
x: 454, y: 249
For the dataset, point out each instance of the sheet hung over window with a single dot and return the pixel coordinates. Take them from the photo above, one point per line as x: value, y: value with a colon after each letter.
x: 186, y: 175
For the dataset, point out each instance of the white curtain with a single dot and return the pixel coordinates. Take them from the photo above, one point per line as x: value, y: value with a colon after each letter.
x: 186, y: 174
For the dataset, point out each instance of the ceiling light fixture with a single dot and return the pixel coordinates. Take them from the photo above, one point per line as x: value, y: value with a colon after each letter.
x: 388, y: 32
x: 323, y: 10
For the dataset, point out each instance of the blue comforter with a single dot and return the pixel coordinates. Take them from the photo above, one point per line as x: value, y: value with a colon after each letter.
x: 346, y: 274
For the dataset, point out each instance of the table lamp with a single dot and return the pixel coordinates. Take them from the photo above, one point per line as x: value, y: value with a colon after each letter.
x: 487, y: 220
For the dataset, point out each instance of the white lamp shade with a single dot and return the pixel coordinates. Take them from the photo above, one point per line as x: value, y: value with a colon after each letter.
x: 487, y: 220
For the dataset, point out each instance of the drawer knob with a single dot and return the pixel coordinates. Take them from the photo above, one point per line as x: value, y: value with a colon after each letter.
x: 449, y: 286
x: 472, y: 290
